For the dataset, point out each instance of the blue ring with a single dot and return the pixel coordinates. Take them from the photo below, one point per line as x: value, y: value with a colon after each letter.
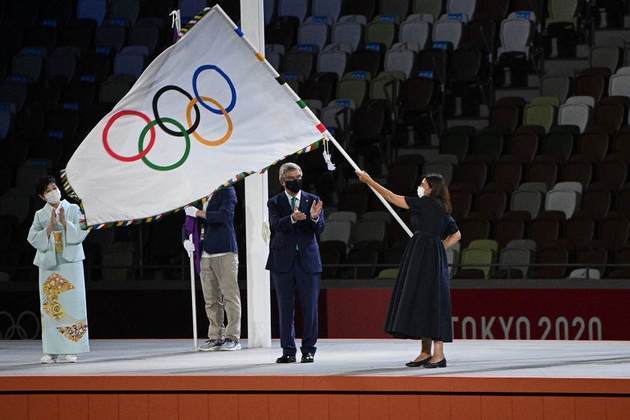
x: 227, y: 79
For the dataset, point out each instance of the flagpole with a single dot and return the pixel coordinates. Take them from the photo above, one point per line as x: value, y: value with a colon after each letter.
x: 380, y: 197
x: 193, y: 295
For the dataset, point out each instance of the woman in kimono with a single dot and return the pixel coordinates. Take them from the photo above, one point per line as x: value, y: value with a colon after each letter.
x: 57, y: 236
x: 420, y: 307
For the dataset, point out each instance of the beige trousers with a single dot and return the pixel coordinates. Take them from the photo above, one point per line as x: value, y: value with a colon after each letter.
x: 219, y: 282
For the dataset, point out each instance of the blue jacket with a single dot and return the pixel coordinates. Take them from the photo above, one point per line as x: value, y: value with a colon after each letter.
x: 287, y: 236
x: 219, y: 233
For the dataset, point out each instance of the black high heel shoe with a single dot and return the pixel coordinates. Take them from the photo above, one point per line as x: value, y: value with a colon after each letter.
x: 418, y: 363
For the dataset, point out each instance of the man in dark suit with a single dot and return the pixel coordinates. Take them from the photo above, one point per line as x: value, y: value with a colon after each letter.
x: 296, y: 219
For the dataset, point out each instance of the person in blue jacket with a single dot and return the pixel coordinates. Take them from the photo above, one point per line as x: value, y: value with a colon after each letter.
x: 296, y: 220
x: 219, y: 269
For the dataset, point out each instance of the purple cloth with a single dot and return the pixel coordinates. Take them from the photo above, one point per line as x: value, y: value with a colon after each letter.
x: 192, y: 226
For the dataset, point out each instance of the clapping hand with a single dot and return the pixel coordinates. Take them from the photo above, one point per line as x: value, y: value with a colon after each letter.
x: 62, y: 216
x: 316, y: 209
x: 53, y: 218
x: 298, y: 215
x: 52, y: 224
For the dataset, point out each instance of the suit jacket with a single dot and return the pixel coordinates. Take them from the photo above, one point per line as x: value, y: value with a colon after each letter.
x: 287, y: 237
x: 219, y: 233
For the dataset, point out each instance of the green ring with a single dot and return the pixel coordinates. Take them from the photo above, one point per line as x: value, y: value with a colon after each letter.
x: 175, y: 165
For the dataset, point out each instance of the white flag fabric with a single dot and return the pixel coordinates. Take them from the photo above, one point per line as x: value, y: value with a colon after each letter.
x: 207, y: 111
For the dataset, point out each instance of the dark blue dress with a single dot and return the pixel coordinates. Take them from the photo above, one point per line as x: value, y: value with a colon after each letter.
x: 421, y: 299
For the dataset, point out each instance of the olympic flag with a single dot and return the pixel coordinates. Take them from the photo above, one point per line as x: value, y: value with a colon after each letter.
x: 207, y: 111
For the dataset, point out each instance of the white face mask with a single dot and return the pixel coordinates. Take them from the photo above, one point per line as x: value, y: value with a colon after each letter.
x: 53, y: 197
x: 420, y: 191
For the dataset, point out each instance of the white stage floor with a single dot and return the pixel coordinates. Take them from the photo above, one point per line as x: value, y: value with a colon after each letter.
x: 466, y: 358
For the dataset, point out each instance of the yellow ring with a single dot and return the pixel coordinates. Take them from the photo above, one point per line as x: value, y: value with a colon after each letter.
x: 226, y: 115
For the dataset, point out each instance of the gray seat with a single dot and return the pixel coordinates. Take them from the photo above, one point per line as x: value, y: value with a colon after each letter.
x: 564, y: 201
x: 584, y: 100
x: 329, y: 8
x: 430, y: 7
x: 516, y: 259
x: 605, y: 56
x: 369, y: 231
x: 313, y: 32
x: 528, y: 244
x: 465, y: 7
x: 342, y: 216
x: 333, y: 59
x: 415, y: 29
x: 401, y: 59
x: 338, y: 114
x: 568, y: 186
x: 516, y: 34
x: 574, y: 114
x: 541, y: 187
x: 337, y: 231
x: 295, y: 8
x: 446, y: 30
x: 348, y: 33
x: 529, y: 201
x: 619, y: 85
x: 556, y: 85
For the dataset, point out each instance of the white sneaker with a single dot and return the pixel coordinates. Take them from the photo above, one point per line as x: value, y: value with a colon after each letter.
x: 211, y: 345
x: 70, y: 358
x: 48, y: 359
x: 230, y: 345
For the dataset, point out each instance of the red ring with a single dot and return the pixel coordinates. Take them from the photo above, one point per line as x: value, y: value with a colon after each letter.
x: 115, y: 155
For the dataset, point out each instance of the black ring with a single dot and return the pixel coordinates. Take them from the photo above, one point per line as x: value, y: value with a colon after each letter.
x: 164, y: 128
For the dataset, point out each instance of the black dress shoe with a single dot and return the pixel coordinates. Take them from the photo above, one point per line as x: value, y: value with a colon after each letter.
x: 308, y: 358
x: 419, y: 363
x: 440, y: 364
x: 285, y: 359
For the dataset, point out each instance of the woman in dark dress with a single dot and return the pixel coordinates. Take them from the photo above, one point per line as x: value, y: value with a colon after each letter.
x: 420, y: 307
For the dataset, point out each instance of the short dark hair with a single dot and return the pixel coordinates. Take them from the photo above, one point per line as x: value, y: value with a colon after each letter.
x: 42, y: 184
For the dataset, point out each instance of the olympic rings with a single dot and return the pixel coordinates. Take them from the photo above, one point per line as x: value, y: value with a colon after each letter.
x: 156, y: 97
x: 220, y: 140
x: 227, y: 79
x: 115, y: 155
x: 181, y: 131
x: 17, y: 329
